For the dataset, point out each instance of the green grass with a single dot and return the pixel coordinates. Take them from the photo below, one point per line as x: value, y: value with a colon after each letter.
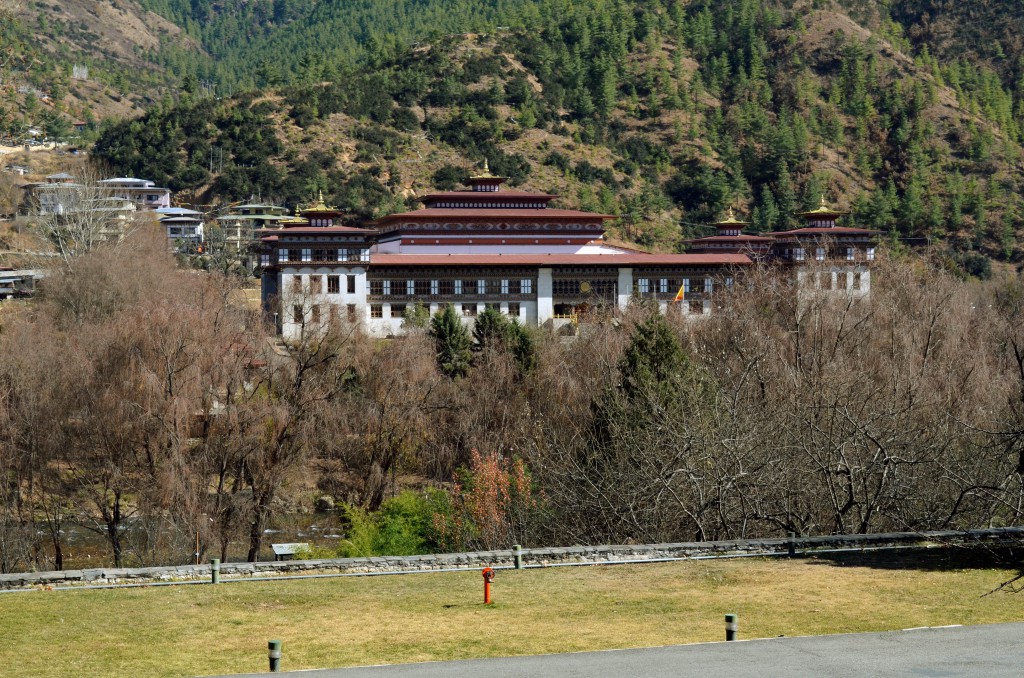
x: 197, y: 630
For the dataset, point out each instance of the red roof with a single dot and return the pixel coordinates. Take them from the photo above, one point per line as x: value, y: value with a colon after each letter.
x: 821, y: 230
x: 464, y: 213
x: 738, y: 239
x: 628, y: 259
x: 487, y: 195
x: 316, y: 230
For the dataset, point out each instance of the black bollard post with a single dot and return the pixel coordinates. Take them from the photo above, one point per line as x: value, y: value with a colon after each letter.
x: 731, y: 626
x: 274, y: 653
x: 792, y: 545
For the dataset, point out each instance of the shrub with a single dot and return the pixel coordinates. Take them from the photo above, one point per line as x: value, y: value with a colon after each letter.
x: 403, y: 526
x: 491, y: 505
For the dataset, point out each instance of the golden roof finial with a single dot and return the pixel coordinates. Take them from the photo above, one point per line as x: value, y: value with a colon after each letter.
x: 487, y: 167
x: 730, y: 215
x: 822, y: 203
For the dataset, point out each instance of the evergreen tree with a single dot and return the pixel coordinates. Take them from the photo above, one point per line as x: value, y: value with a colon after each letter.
x: 491, y: 331
x: 451, y: 342
x: 653, y: 363
x: 766, y: 213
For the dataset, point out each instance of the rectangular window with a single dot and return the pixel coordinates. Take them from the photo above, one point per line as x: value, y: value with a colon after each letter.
x: 728, y: 283
x: 871, y: 254
x: 435, y: 288
x: 333, y: 284
x: 696, y: 306
x: 841, y: 281
x: 526, y: 286
x: 849, y: 254
x: 386, y: 288
x: 446, y: 288
x: 410, y: 288
x: 422, y: 288
x: 663, y: 286
x: 856, y: 281
x: 376, y: 311
x: 481, y: 287
x: 493, y: 307
x: 469, y: 310
x: 513, y: 309
x: 314, y: 314
x: 458, y: 287
x: 686, y: 285
x: 297, y: 314
x: 819, y: 254
x: 297, y: 284
x: 342, y: 254
x: 264, y: 260
x: 350, y: 284
x: 504, y: 287
x: 709, y: 285
x: 643, y: 286
x: 316, y: 284
x: 355, y: 255
x: 364, y: 255
x: 307, y: 255
x: 799, y: 254
x: 350, y: 313
x: 282, y: 256
x: 397, y: 310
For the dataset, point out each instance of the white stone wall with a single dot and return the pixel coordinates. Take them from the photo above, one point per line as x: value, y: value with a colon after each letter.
x: 307, y: 300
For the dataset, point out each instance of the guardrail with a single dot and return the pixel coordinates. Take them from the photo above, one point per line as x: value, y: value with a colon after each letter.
x: 504, y: 559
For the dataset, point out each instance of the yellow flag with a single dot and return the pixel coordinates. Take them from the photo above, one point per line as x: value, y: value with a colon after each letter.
x: 680, y: 294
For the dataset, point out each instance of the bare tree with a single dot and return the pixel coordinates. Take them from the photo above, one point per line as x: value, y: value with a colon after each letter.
x: 76, y: 216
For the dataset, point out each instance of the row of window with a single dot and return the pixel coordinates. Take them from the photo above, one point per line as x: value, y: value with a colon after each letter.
x: 667, y: 286
x: 513, y: 309
x: 484, y: 205
x: 585, y: 288
x: 839, y: 282
x: 449, y: 288
x: 315, y: 317
x: 821, y: 253
x: 334, y: 284
x: 309, y: 254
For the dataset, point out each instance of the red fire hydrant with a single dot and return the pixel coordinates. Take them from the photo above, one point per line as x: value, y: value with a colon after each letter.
x: 488, y: 578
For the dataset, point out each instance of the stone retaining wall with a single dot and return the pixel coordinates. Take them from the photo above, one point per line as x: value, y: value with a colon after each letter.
x: 531, y: 558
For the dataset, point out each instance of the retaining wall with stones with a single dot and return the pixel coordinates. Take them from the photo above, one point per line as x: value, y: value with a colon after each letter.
x: 541, y: 557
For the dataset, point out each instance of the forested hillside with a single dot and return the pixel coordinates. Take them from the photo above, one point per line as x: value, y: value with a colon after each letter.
x: 80, y: 60
x: 664, y: 112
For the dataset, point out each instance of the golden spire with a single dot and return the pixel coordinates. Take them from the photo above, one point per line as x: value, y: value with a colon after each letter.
x: 730, y: 218
x: 320, y: 205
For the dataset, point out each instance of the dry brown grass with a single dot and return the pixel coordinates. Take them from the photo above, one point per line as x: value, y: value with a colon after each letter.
x: 188, y: 630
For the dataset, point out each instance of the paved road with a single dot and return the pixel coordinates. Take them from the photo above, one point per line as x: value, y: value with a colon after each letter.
x: 991, y: 651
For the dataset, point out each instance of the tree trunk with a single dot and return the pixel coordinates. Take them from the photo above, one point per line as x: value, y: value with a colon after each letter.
x: 261, y: 510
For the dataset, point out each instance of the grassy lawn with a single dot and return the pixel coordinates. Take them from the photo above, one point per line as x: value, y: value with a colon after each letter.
x: 197, y: 630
